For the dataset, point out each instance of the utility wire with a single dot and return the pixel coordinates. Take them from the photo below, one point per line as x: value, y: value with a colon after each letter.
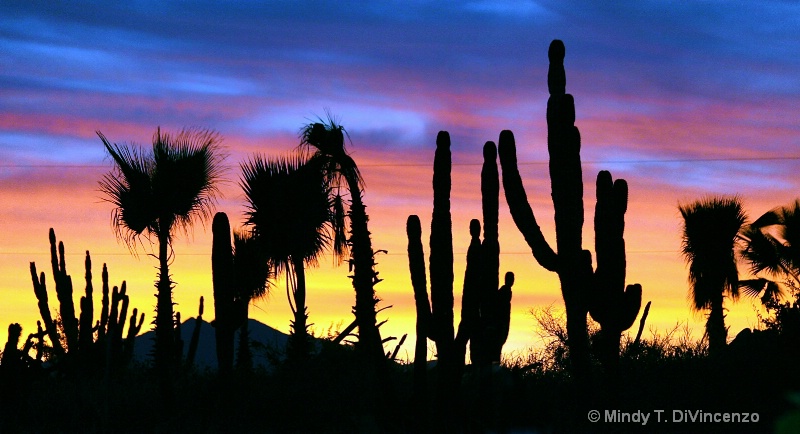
x: 521, y: 163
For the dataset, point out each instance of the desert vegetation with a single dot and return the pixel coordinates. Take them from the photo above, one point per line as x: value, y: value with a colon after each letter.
x: 76, y: 372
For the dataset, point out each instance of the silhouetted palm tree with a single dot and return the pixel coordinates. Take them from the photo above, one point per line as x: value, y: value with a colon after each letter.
x: 252, y: 274
x: 156, y: 194
x: 295, y: 216
x: 327, y: 142
x: 709, y: 236
x: 771, y: 245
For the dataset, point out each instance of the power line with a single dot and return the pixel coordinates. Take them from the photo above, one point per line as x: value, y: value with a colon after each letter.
x: 83, y: 254
x: 521, y: 163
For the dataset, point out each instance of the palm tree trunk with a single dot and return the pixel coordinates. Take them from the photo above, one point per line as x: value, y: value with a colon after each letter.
x: 715, y: 326
x: 364, y: 278
x: 164, y: 354
x: 299, y: 346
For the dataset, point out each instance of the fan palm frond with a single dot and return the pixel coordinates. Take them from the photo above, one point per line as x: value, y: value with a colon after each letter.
x: 289, y: 207
x: 187, y: 170
x: 128, y: 187
x: 251, y: 266
x: 177, y: 183
x: 710, y: 229
x: 764, y: 288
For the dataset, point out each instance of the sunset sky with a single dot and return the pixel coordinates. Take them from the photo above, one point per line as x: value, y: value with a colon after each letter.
x: 682, y: 99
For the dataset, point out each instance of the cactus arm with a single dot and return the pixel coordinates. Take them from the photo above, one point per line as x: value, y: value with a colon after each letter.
x: 613, y: 305
x: 87, y: 308
x: 40, y: 290
x: 471, y: 296
x: 104, y: 306
x: 416, y: 266
x: 518, y: 205
x: 63, y: 284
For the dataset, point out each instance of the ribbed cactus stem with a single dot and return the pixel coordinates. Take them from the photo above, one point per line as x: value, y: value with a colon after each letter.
x: 416, y: 266
x: 471, y: 296
x: 441, y: 246
x: 64, y: 292
x: 490, y: 204
x: 87, y: 308
x: 614, y: 305
x: 40, y: 290
x: 504, y: 295
x: 603, y: 292
x: 104, y: 306
x: 130, y: 340
x: 223, y: 281
x: 113, y: 315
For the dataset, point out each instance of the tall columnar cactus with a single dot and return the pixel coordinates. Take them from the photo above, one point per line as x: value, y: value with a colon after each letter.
x: 40, y: 290
x: 87, y: 308
x: 441, y: 255
x: 64, y: 292
x: 224, y: 291
x: 481, y: 313
x: 104, y: 309
x: 603, y: 291
x: 419, y: 282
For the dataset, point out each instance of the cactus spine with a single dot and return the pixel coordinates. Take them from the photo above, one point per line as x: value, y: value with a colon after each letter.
x: 602, y: 292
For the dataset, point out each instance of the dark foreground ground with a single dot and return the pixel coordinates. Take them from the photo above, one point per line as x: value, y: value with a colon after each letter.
x: 680, y: 392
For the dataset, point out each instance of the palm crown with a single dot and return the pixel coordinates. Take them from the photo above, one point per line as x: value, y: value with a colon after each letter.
x: 154, y: 193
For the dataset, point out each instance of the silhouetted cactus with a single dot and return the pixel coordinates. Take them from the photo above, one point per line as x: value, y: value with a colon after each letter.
x: 109, y: 344
x: 11, y: 353
x: 101, y: 333
x: 130, y: 340
x: 195, y: 336
x: 612, y: 304
x: 86, y: 331
x: 603, y: 292
x: 40, y: 290
x: 64, y: 292
x: 419, y: 282
x: 224, y: 291
x: 480, y: 313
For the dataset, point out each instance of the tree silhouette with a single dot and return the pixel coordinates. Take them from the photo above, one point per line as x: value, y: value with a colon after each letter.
x: 156, y: 194
x: 295, y: 216
x: 709, y: 236
x: 327, y: 142
x: 771, y: 245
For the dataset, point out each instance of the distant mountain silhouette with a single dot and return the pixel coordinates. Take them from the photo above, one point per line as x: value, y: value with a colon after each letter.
x: 263, y: 338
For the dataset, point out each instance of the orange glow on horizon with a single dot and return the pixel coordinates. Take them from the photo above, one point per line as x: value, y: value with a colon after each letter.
x: 82, y: 221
